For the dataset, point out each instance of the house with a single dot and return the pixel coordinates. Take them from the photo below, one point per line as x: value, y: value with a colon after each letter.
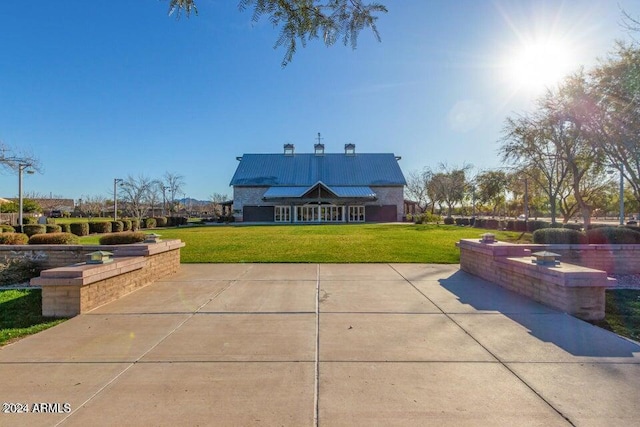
x: 318, y: 187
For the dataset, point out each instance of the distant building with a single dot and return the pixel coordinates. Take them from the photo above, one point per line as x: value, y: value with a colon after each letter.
x: 318, y: 187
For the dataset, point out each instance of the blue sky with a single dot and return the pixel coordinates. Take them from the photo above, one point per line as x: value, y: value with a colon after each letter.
x: 105, y: 89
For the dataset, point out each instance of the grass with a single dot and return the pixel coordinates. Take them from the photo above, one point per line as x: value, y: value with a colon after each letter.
x: 20, y: 314
x: 347, y: 243
x: 622, y: 313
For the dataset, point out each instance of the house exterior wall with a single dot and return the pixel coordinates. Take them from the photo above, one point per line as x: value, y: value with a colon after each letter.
x: 252, y: 197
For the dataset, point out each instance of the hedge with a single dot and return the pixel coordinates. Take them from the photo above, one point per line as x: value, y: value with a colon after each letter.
x: 559, y: 236
x: 537, y: 225
x: 13, y: 239
x: 149, y: 223
x: 79, y: 228
x: 448, y: 221
x: 613, y: 235
x: 65, y: 228
x: 135, y: 224
x: 122, y: 238
x: 100, y: 227
x: 54, y: 239
x: 126, y: 225
x: 53, y: 228
x: 31, y: 229
x: 117, y: 226
x: 161, y: 221
x: 7, y: 228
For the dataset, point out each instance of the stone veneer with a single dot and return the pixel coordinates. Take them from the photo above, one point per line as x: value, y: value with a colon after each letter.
x: 78, y: 288
x: 574, y: 289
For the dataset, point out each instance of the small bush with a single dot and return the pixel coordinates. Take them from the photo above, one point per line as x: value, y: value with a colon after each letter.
x: 491, y: 224
x: 558, y: 236
x: 13, y: 239
x: 79, y: 228
x: 29, y: 220
x: 32, y: 229
x: 149, y: 223
x: 18, y: 270
x: 54, y: 239
x: 122, y: 238
x: 448, y: 221
x: 126, y: 225
x: 100, y: 227
x: 135, y: 224
x: 117, y: 226
x: 7, y: 228
x: 613, y: 235
x: 53, y: 228
x: 161, y: 221
x: 65, y: 228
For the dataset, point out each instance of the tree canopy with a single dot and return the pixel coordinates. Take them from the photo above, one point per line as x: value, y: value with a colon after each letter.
x: 300, y: 21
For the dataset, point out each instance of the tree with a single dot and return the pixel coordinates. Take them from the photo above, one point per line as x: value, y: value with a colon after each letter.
x: 134, y: 192
x: 93, y: 206
x: 173, y: 183
x: 28, y: 206
x: 11, y: 159
x: 216, y: 203
x: 616, y: 88
x: 491, y: 186
x: 417, y: 188
x: 449, y: 186
x: 526, y: 148
x: 300, y: 21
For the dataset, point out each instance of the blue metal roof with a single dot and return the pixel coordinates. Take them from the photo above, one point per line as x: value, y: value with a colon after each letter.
x: 304, y: 170
x: 295, y: 192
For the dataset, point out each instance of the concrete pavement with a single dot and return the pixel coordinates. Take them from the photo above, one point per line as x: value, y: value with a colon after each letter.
x: 328, y: 344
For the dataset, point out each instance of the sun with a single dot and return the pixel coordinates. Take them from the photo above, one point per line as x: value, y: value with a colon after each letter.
x: 536, y: 65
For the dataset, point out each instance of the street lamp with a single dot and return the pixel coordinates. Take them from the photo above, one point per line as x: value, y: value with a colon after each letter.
x: 21, y: 168
x: 115, y: 197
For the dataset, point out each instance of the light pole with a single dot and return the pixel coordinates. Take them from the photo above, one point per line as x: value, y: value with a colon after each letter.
x: 115, y: 197
x: 21, y: 168
x: 526, y: 200
x: 164, y: 199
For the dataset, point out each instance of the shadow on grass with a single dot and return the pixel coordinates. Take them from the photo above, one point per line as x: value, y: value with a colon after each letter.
x: 21, y: 314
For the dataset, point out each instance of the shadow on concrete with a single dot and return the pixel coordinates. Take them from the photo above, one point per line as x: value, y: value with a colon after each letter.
x: 573, y: 335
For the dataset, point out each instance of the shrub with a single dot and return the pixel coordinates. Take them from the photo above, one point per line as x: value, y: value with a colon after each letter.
x: 462, y: 221
x: 149, y: 223
x: 126, y: 225
x: 491, y: 224
x: 135, y: 224
x: 448, y: 221
x: 558, y: 236
x: 65, y: 228
x: 117, y: 226
x: 79, y: 228
x: 29, y: 220
x: 13, y: 239
x: 122, y: 238
x: 7, y: 228
x: 161, y: 221
x: 100, y: 227
x: 54, y: 239
x: 18, y: 270
x: 613, y: 235
x: 417, y: 218
x: 32, y: 229
x: 53, y: 228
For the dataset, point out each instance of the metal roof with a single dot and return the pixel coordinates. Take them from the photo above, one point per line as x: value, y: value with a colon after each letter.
x: 295, y: 192
x: 304, y: 170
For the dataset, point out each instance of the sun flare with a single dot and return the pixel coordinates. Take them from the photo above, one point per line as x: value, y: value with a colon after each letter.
x: 538, y: 65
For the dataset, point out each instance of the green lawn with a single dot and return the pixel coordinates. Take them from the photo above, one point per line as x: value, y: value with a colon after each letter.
x: 346, y: 243
x: 20, y: 314
x: 622, y: 313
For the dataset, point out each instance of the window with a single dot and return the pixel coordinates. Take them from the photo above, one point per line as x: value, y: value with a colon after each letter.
x: 282, y: 214
x: 321, y: 213
x: 356, y: 213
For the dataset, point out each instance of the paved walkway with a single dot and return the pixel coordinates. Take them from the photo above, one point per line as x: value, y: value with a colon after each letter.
x: 329, y: 345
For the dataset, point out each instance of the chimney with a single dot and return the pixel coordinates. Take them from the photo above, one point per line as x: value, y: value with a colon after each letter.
x: 349, y: 149
x: 288, y: 149
x: 318, y: 149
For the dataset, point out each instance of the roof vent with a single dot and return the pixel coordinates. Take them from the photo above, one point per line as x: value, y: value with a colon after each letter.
x: 318, y: 149
x: 288, y: 149
x: 350, y: 149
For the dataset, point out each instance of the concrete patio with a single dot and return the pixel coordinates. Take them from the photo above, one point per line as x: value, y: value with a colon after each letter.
x: 328, y: 344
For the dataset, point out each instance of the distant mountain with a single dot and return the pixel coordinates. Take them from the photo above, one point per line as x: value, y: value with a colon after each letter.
x: 193, y: 202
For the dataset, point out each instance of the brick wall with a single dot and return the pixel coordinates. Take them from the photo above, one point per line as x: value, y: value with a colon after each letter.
x: 574, y: 289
